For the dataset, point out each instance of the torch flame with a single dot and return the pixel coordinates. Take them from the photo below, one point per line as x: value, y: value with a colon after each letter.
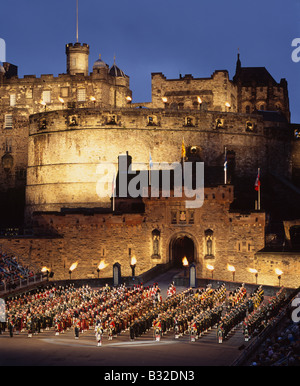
x: 210, y: 267
x: 164, y: 99
x: 199, y: 99
x: 185, y: 261
x: 102, y: 265
x: 252, y: 270
x: 73, y: 266
x: 230, y: 268
x: 278, y: 271
x: 227, y: 104
x: 45, y: 269
x: 133, y: 260
x: 92, y: 98
x: 61, y: 99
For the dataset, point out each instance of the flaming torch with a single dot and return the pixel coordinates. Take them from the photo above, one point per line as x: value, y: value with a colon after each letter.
x: 47, y: 270
x: 253, y: 270
x: 279, y: 273
x: 133, y: 265
x: 211, y: 268
x: 71, y: 269
x: 101, y: 265
x: 231, y: 269
x: 93, y: 99
x: 43, y: 103
x: 62, y: 101
x: 185, y: 263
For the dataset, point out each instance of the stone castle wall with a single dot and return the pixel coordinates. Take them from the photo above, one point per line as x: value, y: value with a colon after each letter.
x: 67, y: 146
x: 213, y: 92
x: 90, y: 238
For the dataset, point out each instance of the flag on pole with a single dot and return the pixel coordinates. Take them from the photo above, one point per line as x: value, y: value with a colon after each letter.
x: 150, y: 160
x: 257, y: 181
x: 183, y: 153
x: 225, y: 167
x: 113, y: 190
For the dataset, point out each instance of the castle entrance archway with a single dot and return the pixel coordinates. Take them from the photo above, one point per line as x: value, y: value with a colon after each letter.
x: 182, y: 246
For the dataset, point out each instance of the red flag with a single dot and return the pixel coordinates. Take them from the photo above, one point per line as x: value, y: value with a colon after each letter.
x: 257, y: 182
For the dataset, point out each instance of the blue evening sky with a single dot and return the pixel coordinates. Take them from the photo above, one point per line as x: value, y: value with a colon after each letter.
x: 170, y: 36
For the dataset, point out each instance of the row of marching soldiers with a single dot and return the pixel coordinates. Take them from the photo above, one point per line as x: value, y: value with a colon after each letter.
x: 238, y: 307
x: 263, y: 313
x: 190, y: 312
x: 61, y: 308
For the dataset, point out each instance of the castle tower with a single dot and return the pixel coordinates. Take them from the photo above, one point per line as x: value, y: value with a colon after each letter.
x: 77, y: 58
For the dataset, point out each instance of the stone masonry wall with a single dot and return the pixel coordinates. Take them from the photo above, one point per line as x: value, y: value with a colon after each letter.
x: 63, y: 158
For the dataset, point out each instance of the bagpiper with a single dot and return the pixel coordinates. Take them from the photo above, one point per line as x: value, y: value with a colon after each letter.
x: 99, y: 334
x: 157, y: 329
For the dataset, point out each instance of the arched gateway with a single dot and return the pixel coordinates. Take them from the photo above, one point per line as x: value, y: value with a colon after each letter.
x: 182, y: 245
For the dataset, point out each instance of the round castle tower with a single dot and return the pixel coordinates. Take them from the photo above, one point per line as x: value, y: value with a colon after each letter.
x: 77, y: 58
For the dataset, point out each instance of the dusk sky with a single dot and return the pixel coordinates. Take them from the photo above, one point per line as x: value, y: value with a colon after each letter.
x: 170, y: 36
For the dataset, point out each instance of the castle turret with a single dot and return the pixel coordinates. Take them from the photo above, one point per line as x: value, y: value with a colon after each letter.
x: 77, y: 58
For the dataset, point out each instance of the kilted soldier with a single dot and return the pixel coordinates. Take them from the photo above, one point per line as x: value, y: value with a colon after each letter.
x: 11, y: 327
x: 157, y: 329
x: 132, y: 331
x: 246, y: 332
x: 29, y: 327
x: 99, y: 334
x: 111, y: 329
x: 193, y: 330
x: 77, y: 328
x: 220, y: 333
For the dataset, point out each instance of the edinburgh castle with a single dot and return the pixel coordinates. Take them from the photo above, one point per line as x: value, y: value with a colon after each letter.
x: 56, y: 131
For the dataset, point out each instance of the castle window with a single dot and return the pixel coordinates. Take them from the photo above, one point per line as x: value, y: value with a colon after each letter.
x: 46, y: 96
x: 12, y: 100
x: 8, y: 121
x: 29, y: 93
x: 81, y: 95
x: 64, y: 91
x: 191, y: 218
x: 173, y: 217
x: 247, y: 109
x: 8, y: 145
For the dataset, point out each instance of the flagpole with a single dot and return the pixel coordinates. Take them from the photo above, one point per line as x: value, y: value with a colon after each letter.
x: 149, y: 167
x: 113, y: 193
x: 258, y: 192
x: 225, y: 167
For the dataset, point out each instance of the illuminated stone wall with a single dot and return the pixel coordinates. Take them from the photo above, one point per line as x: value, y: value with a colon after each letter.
x: 67, y: 146
x: 89, y: 238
